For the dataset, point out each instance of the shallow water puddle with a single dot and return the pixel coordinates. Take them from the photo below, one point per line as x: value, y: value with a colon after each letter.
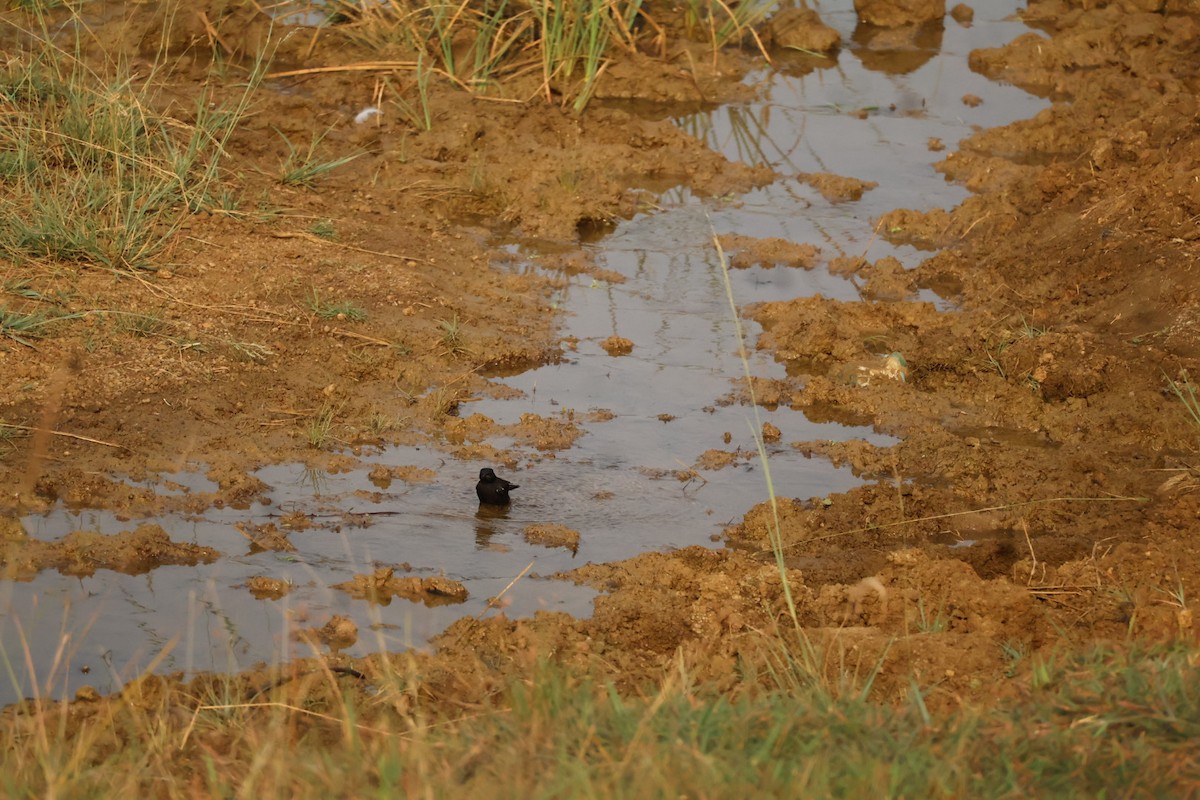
x: 620, y: 485
x: 871, y: 116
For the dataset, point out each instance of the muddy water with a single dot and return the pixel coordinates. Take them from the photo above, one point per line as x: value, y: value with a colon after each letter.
x: 666, y: 402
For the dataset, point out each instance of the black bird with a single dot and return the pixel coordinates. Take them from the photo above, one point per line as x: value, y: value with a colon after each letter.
x: 492, y: 490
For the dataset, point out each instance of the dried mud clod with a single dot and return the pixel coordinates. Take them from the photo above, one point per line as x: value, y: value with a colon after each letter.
x: 383, y: 584
x: 836, y: 188
x: 339, y: 633
x: 266, y: 536
x: 747, y: 251
x: 83, y: 552
x: 546, y: 434
x: 714, y: 459
x: 552, y: 534
x: 267, y: 588
x: 896, y: 13
x: 799, y: 29
x: 617, y: 346
x: 382, y: 475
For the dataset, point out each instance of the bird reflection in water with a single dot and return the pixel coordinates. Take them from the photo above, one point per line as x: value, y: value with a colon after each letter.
x: 486, y: 521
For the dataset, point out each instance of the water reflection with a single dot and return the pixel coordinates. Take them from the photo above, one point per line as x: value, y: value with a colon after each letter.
x: 897, y: 51
x: 486, y: 524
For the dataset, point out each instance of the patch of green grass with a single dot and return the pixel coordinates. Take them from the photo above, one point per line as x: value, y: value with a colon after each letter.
x: 339, y: 310
x: 140, y: 325
x: 1043, y: 670
x: 21, y: 288
x: 227, y: 200
x: 8, y: 435
x: 930, y: 623
x: 324, y: 229
x: 92, y: 174
x: 994, y: 360
x: 319, y: 427
x: 1030, y: 331
x: 302, y: 168
x: 574, y: 39
x: 452, y: 335
x: 418, y: 113
x: 381, y: 423
x: 1186, y: 391
x: 265, y: 211
x: 22, y: 327
x: 1014, y: 654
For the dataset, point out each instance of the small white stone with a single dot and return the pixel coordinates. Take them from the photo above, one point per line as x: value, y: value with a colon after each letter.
x: 366, y: 114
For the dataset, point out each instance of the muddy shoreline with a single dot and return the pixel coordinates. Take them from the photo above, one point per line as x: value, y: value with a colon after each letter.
x: 1045, y: 486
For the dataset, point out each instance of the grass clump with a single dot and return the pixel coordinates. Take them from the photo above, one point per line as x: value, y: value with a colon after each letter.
x: 8, y: 434
x: 318, y: 430
x: 476, y: 44
x: 452, y: 333
x: 93, y: 170
x: 417, y: 112
x: 22, y: 327
x: 140, y: 325
x: 1186, y: 391
x: 723, y: 22
x: 342, y: 310
x: 324, y: 228
x: 930, y: 622
x: 574, y: 39
x: 302, y: 168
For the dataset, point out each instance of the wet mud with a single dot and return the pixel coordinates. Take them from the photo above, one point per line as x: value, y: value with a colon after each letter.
x: 1044, y: 488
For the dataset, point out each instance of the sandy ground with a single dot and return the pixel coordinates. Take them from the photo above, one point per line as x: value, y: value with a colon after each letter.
x: 1036, y: 422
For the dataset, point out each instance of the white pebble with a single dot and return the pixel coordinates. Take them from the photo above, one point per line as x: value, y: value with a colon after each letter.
x: 365, y: 115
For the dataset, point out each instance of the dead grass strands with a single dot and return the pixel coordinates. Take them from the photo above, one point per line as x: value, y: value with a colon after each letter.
x: 774, y: 529
x: 309, y: 237
x: 64, y: 434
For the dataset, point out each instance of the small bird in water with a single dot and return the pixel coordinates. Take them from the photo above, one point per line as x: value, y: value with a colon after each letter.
x: 493, y: 490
